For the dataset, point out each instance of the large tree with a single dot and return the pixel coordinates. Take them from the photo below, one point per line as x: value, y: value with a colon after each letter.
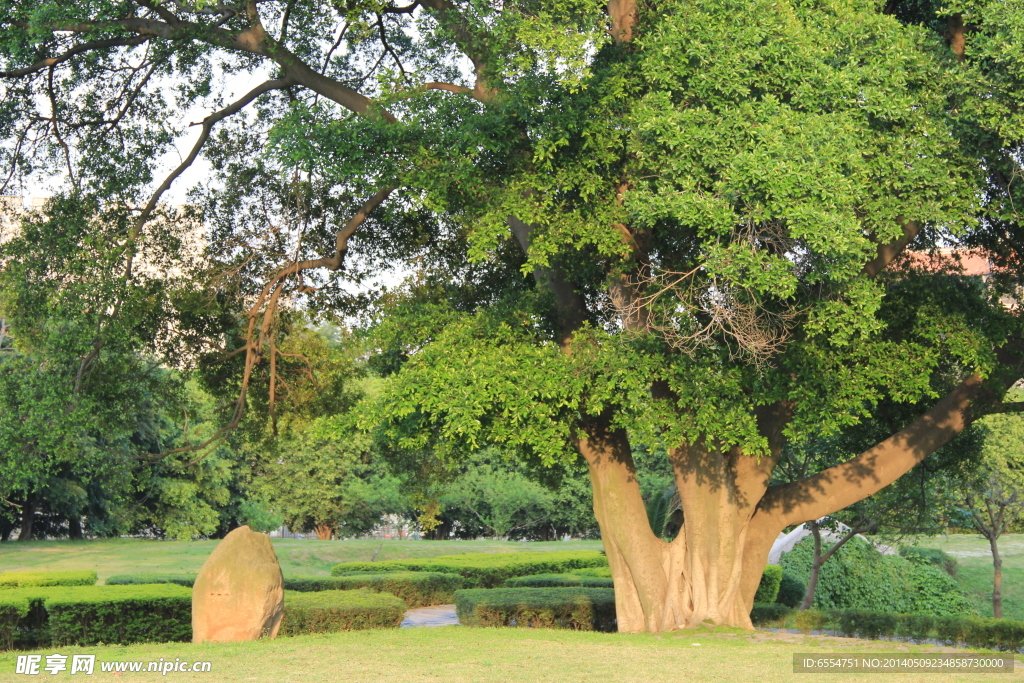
x: 705, y: 199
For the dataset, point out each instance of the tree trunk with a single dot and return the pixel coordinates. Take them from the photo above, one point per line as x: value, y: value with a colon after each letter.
x: 703, y: 574
x: 812, y: 582
x: 997, y: 578
x: 28, y: 516
x: 75, y: 528
x: 323, y: 532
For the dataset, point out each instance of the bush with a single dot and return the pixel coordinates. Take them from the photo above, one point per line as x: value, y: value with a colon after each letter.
x: 769, y: 614
x: 930, y: 556
x: 332, y: 611
x: 484, y: 570
x: 791, y: 590
x: 811, y: 620
x: 142, y: 579
x: 86, y: 615
x: 768, y: 589
x: 917, y: 627
x: 558, y: 580
x: 582, y: 609
x: 416, y: 589
x: 865, y: 624
x: 995, y: 634
x: 13, y: 609
x: 859, y: 577
x: 603, y: 572
x: 30, y: 579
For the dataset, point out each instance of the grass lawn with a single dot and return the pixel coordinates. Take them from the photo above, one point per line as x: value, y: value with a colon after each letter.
x: 456, y: 654
x: 135, y: 556
x: 975, y: 572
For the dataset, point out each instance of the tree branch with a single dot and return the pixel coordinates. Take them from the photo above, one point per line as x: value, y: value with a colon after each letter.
x: 71, y: 52
x: 843, y: 485
x: 208, y: 123
x: 890, y: 250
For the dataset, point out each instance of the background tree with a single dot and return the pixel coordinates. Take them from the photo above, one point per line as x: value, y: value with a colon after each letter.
x: 992, y: 497
x: 501, y: 499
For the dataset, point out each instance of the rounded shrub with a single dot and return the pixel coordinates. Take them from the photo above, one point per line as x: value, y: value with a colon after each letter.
x: 768, y: 589
x: 791, y: 590
x: 859, y: 577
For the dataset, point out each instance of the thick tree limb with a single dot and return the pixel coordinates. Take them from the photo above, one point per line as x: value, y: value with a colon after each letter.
x: 890, y: 250
x: 71, y: 52
x: 570, y: 308
x: 472, y: 46
x: 623, y: 16
x: 838, y: 487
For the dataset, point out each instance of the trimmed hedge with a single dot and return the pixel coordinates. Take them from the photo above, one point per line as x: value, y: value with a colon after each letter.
x: 62, y: 578
x: 12, y: 612
x: 992, y: 634
x: 417, y: 589
x: 582, y: 609
x: 555, y: 580
x: 86, y: 615
x: 769, y: 614
x: 484, y: 570
x: 142, y: 579
x: 768, y: 589
x: 332, y: 611
x: 603, y: 572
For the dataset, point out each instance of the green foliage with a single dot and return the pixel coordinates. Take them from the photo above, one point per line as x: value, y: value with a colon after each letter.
x: 416, y: 589
x: 791, y: 590
x: 932, y: 556
x: 957, y: 631
x: 768, y: 588
x: 52, y: 578
x: 498, y: 498
x: 769, y: 614
x: 484, y: 570
x: 137, y: 614
x: 558, y: 580
x: 659, y: 508
x: 142, y: 579
x: 86, y: 615
x: 860, y: 577
x: 603, y: 572
x: 583, y: 609
x: 331, y: 611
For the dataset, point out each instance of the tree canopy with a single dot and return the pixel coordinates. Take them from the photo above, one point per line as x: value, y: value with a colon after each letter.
x: 674, y: 224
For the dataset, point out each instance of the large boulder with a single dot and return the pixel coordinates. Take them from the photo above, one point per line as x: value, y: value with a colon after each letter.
x: 239, y: 593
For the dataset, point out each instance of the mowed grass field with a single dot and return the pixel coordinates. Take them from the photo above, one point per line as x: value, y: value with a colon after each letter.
x: 108, y: 557
x: 974, y: 558
x: 457, y: 654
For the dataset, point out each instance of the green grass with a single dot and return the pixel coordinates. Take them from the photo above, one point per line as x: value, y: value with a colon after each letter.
x: 975, y: 569
x: 108, y: 557
x: 463, y: 655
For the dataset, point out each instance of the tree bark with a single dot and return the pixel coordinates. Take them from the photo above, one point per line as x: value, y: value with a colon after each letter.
x: 323, y: 532
x: 997, y: 578
x: 702, y: 575
x: 28, y: 516
x: 75, y: 528
x: 812, y: 581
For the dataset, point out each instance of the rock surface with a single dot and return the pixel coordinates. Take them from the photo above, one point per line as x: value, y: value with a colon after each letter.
x: 238, y: 594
